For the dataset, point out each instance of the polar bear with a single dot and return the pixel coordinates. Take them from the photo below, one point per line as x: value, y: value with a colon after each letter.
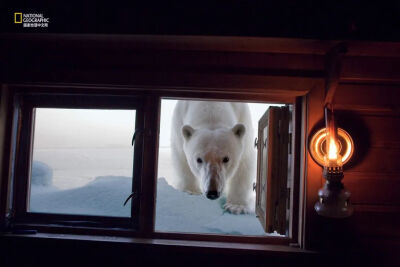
x: 212, y: 152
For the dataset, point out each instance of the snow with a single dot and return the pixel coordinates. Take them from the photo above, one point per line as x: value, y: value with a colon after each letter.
x: 42, y: 174
x: 104, y: 196
x: 75, y: 167
x: 181, y: 212
x: 175, y: 211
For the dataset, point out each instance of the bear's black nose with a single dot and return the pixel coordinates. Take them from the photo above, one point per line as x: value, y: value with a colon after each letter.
x: 212, y: 194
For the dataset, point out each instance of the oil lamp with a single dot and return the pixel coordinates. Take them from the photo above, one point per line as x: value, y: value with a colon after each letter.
x: 333, y: 197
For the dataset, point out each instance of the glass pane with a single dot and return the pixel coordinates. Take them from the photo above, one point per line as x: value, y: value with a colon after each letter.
x: 186, y: 207
x: 82, y: 161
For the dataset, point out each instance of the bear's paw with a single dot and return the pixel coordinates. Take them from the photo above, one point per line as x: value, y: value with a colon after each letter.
x: 236, y: 208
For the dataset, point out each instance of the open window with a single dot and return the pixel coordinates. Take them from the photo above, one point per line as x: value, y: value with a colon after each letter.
x: 184, y: 210
x: 273, y: 178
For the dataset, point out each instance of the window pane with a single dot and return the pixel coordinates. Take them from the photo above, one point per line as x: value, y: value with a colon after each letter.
x: 82, y: 161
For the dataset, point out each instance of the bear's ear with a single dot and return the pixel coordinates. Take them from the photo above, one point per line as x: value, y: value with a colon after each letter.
x: 239, y: 130
x: 187, y: 132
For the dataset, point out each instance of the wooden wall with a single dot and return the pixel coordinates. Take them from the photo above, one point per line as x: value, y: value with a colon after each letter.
x: 367, y: 106
x: 375, y: 179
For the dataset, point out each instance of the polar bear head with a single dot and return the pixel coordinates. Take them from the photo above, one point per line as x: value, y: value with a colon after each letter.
x: 213, y: 155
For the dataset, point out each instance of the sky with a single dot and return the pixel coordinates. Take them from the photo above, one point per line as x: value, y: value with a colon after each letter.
x: 96, y: 128
x: 83, y: 128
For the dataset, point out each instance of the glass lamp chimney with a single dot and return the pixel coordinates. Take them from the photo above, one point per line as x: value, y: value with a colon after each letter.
x: 333, y: 197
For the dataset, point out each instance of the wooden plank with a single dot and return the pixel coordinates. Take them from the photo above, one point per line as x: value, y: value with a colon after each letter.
x: 371, y: 221
x: 377, y: 208
x: 137, y: 166
x: 206, y: 43
x: 280, y: 219
x: 373, y: 189
x: 178, y: 246
x: 301, y: 166
x: 370, y: 109
x: 270, y: 163
x: 368, y: 98
x: 377, y: 69
x: 378, y: 160
x: 165, y: 92
x: 61, y: 58
x: 263, y: 170
x: 372, y: 62
x: 313, y: 180
x: 149, y: 173
x: 184, y: 81
x: 272, y: 178
x: 6, y: 118
x: 384, y: 131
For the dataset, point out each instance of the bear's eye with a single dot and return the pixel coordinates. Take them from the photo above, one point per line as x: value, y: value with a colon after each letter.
x: 225, y: 160
x: 199, y: 160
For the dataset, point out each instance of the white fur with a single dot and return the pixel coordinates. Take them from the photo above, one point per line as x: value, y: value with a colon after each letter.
x: 211, y: 131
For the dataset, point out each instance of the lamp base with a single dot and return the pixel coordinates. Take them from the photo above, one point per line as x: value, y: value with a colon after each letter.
x: 334, y: 201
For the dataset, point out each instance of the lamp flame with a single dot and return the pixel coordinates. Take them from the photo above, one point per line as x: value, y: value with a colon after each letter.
x: 333, y: 157
x: 332, y: 150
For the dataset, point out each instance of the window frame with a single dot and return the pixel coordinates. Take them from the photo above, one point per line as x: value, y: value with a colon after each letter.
x: 144, y: 225
x: 24, y: 105
x: 292, y: 238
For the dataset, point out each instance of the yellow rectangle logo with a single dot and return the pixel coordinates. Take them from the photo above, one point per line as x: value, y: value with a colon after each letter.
x: 17, y: 17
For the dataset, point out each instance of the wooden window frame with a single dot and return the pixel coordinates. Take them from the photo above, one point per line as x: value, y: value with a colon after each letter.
x: 144, y: 225
x: 24, y: 105
x: 275, y: 144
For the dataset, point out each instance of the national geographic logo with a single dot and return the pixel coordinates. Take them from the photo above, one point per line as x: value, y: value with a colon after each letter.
x: 31, y: 20
x: 17, y: 17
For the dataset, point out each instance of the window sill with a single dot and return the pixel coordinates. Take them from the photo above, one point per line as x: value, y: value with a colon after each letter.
x: 168, y: 243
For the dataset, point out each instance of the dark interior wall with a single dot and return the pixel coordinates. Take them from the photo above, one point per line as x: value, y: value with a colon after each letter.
x: 373, y: 114
x: 357, y: 20
x: 369, y: 110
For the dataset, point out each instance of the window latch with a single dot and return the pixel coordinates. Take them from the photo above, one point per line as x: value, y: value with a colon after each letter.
x: 132, y: 196
x: 135, y: 134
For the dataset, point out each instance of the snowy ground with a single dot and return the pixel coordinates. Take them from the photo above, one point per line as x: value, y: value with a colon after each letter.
x: 98, y: 185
